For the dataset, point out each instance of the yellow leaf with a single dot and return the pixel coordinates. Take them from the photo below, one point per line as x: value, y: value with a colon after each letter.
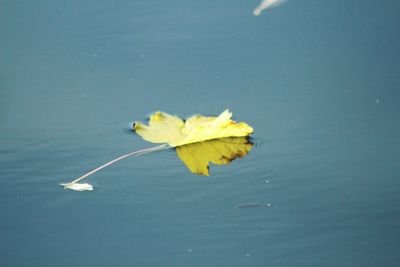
x: 166, y: 128
x: 220, y: 151
x: 198, y: 141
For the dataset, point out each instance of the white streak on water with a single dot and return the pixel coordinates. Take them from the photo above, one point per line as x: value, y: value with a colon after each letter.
x: 267, y: 4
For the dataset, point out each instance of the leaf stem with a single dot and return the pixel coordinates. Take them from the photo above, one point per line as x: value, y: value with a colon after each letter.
x: 134, y: 153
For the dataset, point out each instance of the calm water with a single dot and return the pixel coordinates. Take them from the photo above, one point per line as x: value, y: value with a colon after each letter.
x: 318, y: 80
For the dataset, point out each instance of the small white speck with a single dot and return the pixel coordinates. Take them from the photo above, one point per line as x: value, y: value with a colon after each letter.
x: 377, y: 100
x: 267, y: 181
x: 190, y: 250
x: 247, y: 255
x: 269, y: 205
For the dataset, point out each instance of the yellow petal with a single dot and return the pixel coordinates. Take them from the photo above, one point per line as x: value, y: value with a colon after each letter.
x: 220, y: 151
x: 165, y: 128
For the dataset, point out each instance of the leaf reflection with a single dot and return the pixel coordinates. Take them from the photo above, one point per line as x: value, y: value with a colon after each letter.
x: 219, y: 151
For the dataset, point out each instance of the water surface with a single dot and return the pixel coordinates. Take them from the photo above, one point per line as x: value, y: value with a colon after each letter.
x: 318, y: 81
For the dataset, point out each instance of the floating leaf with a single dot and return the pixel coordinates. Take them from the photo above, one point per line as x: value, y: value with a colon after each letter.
x: 198, y: 141
x: 166, y: 128
x: 220, y: 151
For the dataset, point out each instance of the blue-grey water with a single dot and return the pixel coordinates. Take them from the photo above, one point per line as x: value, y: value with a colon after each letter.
x: 318, y: 80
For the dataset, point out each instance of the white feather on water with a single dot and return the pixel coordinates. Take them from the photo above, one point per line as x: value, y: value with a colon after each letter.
x: 267, y: 4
